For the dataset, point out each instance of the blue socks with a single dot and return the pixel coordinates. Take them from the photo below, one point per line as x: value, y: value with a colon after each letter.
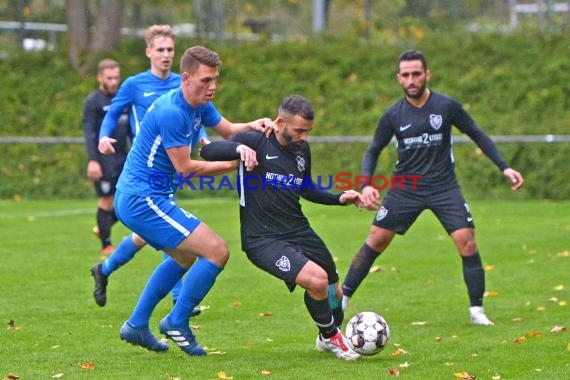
x: 122, y: 255
x: 159, y: 284
x: 178, y: 286
x: 196, y: 285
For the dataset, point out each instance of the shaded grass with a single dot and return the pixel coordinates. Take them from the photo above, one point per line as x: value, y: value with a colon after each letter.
x: 47, y: 251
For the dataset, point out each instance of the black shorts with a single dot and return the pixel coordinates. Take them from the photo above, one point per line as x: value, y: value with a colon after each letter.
x: 284, y: 258
x: 400, y: 209
x: 111, y: 166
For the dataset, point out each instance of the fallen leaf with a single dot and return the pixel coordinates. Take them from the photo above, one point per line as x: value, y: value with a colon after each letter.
x: 520, y: 339
x: 474, y: 355
x: 490, y: 267
x: 266, y: 314
x: 449, y: 364
x: 553, y: 300
x: 540, y: 308
x: 518, y: 319
x: 195, y: 327
x: 269, y: 340
x: 265, y: 372
x: 222, y: 375
x: 563, y: 254
x: 419, y: 323
x: 559, y: 287
x: 404, y: 365
x: 533, y: 334
x: 57, y: 376
x: 490, y: 293
x: 562, y: 303
x: 463, y: 375
x: 557, y: 329
x: 375, y: 268
x: 568, y: 347
x: 214, y: 353
x: 394, y: 372
x: 236, y: 304
x: 87, y: 365
x: 58, y: 346
x: 496, y: 377
x: 399, y: 351
x: 438, y: 338
x: 11, y: 376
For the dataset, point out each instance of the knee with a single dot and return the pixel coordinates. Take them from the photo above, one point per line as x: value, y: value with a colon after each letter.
x: 138, y: 241
x: 220, y: 252
x: 317, y: 284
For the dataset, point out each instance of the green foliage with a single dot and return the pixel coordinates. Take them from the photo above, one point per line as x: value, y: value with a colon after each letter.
x: 510, y: 83
x: 56, y: 326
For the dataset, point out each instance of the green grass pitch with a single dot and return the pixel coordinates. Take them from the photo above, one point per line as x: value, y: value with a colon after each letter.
x: 52, y: 328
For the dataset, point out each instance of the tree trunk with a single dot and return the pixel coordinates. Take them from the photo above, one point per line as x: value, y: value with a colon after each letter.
x: 77, y: 15
x: 107, y: 33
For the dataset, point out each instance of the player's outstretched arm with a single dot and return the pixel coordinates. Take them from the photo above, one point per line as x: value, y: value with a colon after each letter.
x: 516, y: 178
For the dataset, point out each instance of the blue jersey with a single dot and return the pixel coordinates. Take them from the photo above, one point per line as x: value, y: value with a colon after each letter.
x: 137, y: 93
x: 169, y: 123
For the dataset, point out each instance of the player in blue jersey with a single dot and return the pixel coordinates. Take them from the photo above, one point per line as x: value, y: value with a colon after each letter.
x: 104, y: 170
x: 136, y: 94
x: 421, y: 122
x: 158, y: 158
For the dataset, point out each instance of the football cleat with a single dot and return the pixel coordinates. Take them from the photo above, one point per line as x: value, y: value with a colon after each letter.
x: 141, y: 336
x: 183, y: 337
x: 100, y: 292
x: 478, y: 316
x: 109, y: 249
x: 337, y: 345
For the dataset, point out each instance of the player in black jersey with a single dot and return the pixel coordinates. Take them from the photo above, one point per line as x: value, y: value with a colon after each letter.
x: 421, y: 123
x: 275, y: 234
x: 102, y: 169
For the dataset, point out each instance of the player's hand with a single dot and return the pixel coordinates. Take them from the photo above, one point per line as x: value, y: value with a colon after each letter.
x: 248, y: 156
x: 94, y: 171
x: 516, y: 178
x: 350, y: 197
x: 265, y: 125
x: 370, y: 198
x: 106, y: 145
x: 204, y: 141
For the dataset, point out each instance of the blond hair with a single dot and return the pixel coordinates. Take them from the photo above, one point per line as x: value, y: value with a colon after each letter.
x: 157, y: 30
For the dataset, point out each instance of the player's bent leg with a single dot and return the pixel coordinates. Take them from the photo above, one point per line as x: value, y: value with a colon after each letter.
x: 330, y: 339
x: 213, y: 254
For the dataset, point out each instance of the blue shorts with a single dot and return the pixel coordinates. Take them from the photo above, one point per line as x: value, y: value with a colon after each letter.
x: 157, y: 219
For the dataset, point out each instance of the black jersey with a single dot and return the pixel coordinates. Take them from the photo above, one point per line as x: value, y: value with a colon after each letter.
x: 424, y: 140
x: 94, y: 110
x: 270, y: 194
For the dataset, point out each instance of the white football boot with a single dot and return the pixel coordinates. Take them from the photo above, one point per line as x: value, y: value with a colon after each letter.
x: 337, y: 345
x: 478, y: 316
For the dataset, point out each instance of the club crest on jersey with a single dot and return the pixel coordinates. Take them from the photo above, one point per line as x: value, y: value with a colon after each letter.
x: 300, y: 163
x: 381, y: 214
x: 435, y: 121
x: 283, y: 264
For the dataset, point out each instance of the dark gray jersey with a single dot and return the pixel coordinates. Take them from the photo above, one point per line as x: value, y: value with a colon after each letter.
x: 270, y: 194
x: 424, y: 140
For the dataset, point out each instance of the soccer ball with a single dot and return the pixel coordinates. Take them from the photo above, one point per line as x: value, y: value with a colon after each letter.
x: 367, y: 333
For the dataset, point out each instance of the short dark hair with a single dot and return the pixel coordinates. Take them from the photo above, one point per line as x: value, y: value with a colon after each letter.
x: 411, y: 55
x: 196, y: 55
x: 107, y: 63
x: 297, y: 105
